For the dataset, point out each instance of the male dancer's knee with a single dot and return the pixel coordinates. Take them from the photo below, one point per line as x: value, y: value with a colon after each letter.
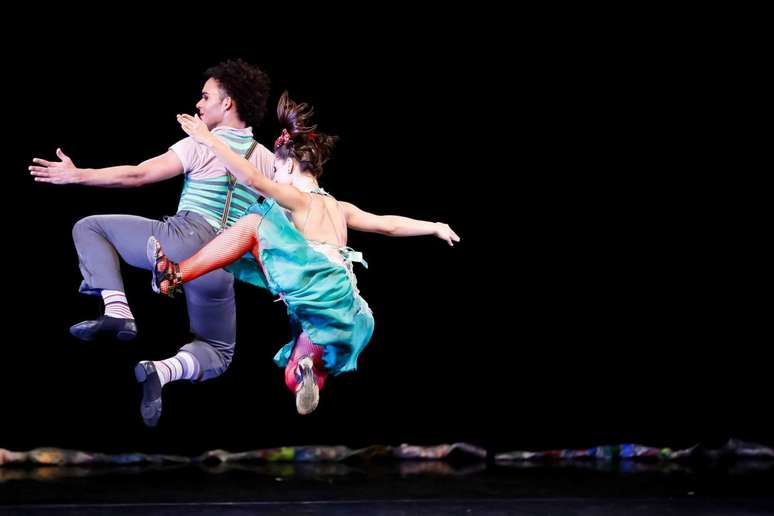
x: 86, y: 227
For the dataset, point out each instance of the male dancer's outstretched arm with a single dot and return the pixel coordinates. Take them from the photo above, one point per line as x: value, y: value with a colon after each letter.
x: 65, y: 172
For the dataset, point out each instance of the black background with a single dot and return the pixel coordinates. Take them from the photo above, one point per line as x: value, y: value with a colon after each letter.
x: 609, y: 286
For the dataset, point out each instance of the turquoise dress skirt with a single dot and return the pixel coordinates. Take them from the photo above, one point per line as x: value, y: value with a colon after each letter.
x: 321, y: 298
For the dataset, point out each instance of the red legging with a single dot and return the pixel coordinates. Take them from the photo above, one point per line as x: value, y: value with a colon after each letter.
x: 305, y: 347
x: 226, y: 248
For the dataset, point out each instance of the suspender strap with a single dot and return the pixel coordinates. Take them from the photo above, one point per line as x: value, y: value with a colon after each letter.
x: 231, y: 183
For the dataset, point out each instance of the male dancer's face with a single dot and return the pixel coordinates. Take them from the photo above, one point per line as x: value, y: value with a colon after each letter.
x: 212, y: 106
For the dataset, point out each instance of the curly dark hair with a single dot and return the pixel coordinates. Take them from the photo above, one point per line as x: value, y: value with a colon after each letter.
x: 310, y: 148
x: 247, y: 85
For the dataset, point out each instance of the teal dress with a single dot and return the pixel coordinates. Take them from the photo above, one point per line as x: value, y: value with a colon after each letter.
x: 321, y: 296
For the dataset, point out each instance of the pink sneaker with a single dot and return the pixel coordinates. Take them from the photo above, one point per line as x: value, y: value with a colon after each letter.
x: 305, y: 375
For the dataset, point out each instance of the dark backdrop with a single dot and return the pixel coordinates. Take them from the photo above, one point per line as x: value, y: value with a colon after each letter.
x: 607, y: 287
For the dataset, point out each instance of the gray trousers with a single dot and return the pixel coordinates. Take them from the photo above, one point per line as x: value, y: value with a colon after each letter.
x: 101, y: 239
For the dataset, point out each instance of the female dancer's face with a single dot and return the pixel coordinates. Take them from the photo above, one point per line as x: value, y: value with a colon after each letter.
x: 283, y: 170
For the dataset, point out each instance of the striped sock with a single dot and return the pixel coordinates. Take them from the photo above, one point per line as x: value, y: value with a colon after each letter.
x: 183, y: 366
x: 116, y: 304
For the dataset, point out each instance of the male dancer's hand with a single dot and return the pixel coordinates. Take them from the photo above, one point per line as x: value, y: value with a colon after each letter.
x: 56, y: 172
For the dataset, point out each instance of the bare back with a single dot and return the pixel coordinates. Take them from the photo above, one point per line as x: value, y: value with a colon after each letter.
x: 324, y: 224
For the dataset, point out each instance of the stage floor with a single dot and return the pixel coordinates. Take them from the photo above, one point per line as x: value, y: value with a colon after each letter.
x: 428, y: 487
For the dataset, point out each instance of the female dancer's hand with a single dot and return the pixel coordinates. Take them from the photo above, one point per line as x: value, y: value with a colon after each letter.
x: 444, y: 232
x: 195, y: 128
